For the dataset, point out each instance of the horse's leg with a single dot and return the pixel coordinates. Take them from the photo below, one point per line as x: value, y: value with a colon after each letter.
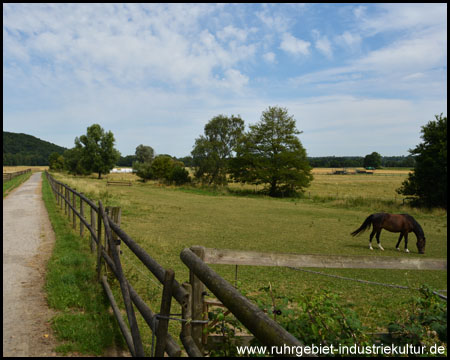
x: 398, y: 242
x: 378, y: 240
x: 406, y: 242
x: 370, y: 239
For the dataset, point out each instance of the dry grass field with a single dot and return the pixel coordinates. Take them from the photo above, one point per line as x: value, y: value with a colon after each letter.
x: 11, y: 169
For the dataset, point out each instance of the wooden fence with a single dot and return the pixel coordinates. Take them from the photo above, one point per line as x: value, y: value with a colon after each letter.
x: 191, y: 295
x: 9, y: 176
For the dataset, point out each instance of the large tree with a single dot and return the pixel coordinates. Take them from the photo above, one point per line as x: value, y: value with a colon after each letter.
x: 372, y: 160
x: 212, y: 151
x: 143, y: 164
x: 97, y: 150
x: 428, y: 181
x: 271, y: 154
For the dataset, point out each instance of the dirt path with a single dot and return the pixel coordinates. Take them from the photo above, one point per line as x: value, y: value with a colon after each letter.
x: 28, y: 240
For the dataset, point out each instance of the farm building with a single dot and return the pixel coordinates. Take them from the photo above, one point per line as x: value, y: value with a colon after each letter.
x: 121, y: 170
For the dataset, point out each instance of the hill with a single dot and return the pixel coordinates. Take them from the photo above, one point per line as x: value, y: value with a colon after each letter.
x: 23, y: 149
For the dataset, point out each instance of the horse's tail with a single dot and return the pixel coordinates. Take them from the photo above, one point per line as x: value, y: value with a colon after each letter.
x: 365, y: 225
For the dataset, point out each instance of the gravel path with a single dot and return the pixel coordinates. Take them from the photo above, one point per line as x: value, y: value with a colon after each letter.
x: 28, y: 240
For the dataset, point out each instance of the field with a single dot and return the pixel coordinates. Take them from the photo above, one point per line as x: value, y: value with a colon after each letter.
x: 166, y: 219
x: 11, y: 169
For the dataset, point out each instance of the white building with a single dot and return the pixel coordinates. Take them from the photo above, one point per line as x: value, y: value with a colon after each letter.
x: 121, y: 170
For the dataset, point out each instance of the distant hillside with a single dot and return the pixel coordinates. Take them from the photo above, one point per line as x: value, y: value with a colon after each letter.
x: 23, y: 149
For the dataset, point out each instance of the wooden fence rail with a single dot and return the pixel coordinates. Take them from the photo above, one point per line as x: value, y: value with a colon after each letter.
x: 9, y: 176
x: 241, y: 257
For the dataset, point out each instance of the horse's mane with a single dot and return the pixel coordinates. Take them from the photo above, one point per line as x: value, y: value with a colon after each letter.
x: 417, y: 228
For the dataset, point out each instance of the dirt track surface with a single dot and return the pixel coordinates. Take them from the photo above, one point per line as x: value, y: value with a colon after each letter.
x: 28, y: 240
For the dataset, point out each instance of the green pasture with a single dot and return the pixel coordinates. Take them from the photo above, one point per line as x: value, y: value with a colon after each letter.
x: 164, y: 220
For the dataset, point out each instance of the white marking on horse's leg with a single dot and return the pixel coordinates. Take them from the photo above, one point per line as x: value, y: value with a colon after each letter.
x: 370, y: 247
x: 406, y: 250
x: 381, y: 248
x: 398, y: 249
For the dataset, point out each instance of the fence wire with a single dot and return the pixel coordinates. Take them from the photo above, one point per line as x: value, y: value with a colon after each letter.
x: 367, y: 281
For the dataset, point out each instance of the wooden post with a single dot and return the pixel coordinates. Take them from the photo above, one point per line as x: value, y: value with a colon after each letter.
x: 93, y: 224
x: 82, y: 215
x: 74, y: 197
x: 186, y: 313
x: 163, y: 321
x: 99, y: 245
x: 65, y: 200
x: 115, y: 214
x: 186, y: 328
x: 61, y: 196
x: 198, y: 289
x: 68, y: 205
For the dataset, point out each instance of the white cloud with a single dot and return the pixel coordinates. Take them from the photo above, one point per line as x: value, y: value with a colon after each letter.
x: 322, y: 44
x: 293, y: 45
x: 269, y: 57
x: 349, y: 40
x: 403, y: 16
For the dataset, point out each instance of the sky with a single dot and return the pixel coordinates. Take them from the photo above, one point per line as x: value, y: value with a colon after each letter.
x: 357, y: 78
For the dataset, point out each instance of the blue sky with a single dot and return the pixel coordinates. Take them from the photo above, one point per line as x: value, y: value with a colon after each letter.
x: 357, y: 78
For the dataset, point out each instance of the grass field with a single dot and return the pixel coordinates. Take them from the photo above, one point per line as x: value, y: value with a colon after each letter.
x: 10, y: 169
x: 164, y: 220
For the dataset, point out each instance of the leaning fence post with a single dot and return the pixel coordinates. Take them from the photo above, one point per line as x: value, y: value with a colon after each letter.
x: 163, y: 321
x: 124, y: 287
x: 198, y: 289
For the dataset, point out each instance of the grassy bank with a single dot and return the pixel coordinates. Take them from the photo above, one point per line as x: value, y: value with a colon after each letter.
x: 10, y: 185
x: 84, y: 324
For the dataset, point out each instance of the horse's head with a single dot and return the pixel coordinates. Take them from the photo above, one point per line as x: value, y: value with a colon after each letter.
x: 421, y: 245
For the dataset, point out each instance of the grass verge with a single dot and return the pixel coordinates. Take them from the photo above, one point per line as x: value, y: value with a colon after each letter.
x: 10, y: 185
x: 84, y: 323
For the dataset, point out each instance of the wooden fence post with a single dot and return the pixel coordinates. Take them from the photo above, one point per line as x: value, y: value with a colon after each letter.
x: 93, y: 224
x: 65, y: 200
x: 99, y: 245
x: 61, y: 196
x: 74, y: 198
x: 82, y: 215
x: 198, y: 289
x: 163, y: 321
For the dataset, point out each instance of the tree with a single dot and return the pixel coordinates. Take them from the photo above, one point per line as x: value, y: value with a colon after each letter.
x: 428, y: 181
x: 372, y: 160
x: 97, y: 150
x: 73, y: 163
x: 143, y: 164
x: 56, y: 161
x: 212, y: 152
x: 271, y: 153
x: 144, y: 154
x: 144, y: 170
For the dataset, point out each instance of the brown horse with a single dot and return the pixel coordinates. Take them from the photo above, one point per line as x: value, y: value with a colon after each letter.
x: 402, y: 223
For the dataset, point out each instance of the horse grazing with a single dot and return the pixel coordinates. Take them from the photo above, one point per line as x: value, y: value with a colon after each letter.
x: 402, y: 223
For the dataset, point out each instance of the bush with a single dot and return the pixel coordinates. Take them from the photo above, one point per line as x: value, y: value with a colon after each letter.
x: 179, y: 175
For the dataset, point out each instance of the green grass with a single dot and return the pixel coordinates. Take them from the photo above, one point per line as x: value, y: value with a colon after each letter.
x: 10, y: 185
x: 164, y: 220
x: 83, y: 324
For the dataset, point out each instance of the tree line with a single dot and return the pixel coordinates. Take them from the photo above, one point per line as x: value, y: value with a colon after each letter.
x: 269, y: 153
